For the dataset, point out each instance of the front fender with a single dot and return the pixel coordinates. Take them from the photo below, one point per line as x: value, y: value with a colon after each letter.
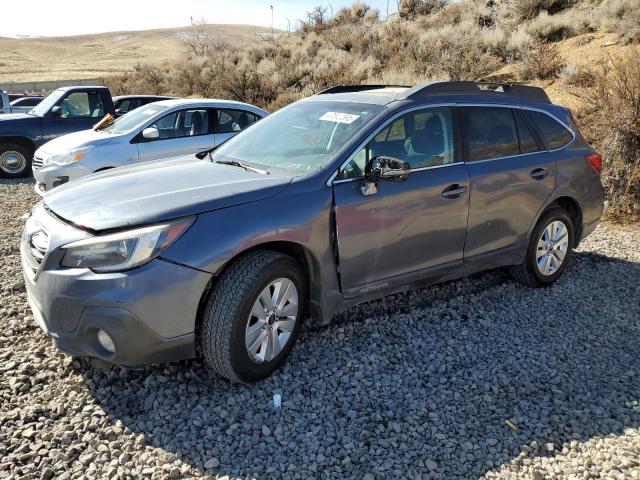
x: 301, y: 218
x: 29, y: 129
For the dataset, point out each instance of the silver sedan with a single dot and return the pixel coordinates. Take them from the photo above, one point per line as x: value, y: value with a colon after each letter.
x: 159, y: 130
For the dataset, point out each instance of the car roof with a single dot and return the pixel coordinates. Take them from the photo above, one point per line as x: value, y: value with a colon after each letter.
x: 206, y: 102
x: 120, y: 97
x: 437, y: 91
x: 376, y: 96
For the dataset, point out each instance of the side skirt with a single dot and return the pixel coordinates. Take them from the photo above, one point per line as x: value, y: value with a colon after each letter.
x: 442, y: 273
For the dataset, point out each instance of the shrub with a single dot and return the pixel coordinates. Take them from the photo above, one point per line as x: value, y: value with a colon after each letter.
x: 622, y: 17
x: 577, y: 75
x: 410, y: 9
x: 541, y: 62
x: 551, y: 28
x: 358, y: 12
x: 519, y: 44
x: 529, y: 9
x: 611, y: 121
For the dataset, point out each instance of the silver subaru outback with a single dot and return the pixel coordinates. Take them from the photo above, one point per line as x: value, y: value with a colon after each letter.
x: 349, y: 195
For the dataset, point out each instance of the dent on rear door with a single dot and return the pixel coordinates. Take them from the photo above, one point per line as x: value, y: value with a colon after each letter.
x: 505, y: 200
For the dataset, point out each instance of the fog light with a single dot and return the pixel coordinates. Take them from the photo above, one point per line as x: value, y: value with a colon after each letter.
x: 105, y: 341
x: 59, y: 181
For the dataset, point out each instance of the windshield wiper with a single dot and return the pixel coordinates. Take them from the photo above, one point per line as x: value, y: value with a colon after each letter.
x: 236, y: 163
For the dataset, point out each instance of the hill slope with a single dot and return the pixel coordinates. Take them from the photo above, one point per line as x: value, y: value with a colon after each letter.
x: 87, y: 56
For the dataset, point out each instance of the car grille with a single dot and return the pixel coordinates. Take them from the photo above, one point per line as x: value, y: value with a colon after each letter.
x: 37, y: 163
x: 35, y: 244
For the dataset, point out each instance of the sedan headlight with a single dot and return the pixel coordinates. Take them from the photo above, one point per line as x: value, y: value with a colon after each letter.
x: 72, y: 156
x: 124, y: 250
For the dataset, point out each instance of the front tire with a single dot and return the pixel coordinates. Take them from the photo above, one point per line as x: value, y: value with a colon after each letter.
x: 549, y: 251
x: 253, y: 316
x: 15, y: 160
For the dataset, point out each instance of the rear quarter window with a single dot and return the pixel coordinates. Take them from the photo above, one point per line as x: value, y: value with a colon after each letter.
x: 553, y: 133
x: 490, y: 133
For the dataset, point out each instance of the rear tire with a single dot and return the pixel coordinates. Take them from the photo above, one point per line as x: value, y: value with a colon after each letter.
x: 15, y: 160
x: 239, y: 315
x: 549, y: 251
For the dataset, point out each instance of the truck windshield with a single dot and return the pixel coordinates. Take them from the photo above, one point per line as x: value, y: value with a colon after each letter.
x: 300, y: 137
x: 45, y: 105
x: 133, y: 119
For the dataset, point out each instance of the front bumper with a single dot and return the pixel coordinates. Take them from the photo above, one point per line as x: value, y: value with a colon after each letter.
x: 51, y: 176
x: 149, y: 312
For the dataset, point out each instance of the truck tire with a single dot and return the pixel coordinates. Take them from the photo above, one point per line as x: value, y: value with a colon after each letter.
x: 15, y: 160
x: 549, y: 250
x: 253, y: 316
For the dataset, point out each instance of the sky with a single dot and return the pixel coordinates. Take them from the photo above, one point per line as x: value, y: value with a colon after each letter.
x: 76, y: 17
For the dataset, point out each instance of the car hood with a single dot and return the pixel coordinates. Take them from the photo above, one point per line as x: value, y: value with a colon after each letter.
x: 156, y: 191
x: 67, y: 142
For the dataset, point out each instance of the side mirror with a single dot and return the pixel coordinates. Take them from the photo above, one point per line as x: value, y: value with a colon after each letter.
x: 119, y: 112
x: 150, y: 133
x: 56, y: 111
x: 383, y: 168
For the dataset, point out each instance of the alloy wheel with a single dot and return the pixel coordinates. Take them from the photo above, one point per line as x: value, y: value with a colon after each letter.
x: 552, y: 248
x: 272, y: 320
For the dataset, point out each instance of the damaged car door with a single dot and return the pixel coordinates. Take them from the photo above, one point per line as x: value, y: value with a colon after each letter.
x: 401, y: 203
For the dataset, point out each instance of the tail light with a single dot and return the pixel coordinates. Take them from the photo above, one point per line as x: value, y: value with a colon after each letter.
x: 595, y: 160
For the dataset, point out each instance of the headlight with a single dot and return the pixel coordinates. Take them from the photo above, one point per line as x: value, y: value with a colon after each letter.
x: 72, y: 156
x: 124, y: 250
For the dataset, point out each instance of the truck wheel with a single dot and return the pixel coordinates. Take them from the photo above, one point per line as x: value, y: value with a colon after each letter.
x: 15, y: 160
x: 549, y: 250
x: 253, y: 316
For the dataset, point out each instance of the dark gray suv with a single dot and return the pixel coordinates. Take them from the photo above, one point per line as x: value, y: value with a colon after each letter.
x: 340, y: 198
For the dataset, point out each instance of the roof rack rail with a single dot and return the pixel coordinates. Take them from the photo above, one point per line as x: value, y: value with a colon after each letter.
x: 489, y: 88
x: 357, y: 88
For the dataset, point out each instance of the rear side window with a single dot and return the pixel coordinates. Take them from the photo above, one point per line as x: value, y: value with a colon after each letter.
x: 232, y: 121
x: 554, y: 134
x: 490, y: 133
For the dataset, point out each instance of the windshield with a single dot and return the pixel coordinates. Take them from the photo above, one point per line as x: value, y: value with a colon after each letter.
x: 301, y: 137
x: 133, y: 119
x: 45, y: 105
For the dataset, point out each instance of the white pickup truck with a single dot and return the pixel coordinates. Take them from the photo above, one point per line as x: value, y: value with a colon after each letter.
x: 22, y: 104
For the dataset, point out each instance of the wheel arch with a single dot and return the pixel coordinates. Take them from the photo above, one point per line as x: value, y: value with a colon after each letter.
x: 24, y: 141
x: 308, y: 262
x: 572, y: 206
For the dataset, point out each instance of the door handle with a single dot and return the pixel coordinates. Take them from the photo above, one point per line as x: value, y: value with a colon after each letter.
x: 454, y: 191
x: 539, y: 173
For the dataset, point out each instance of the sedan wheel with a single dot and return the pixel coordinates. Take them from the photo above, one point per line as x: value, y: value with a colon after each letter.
x: 552, y: 247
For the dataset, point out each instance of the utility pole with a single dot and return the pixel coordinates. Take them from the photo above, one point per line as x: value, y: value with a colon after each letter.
x: 331, y: 7
x: 288, y: 27
x: 271, y: 7
x: 387, y: 9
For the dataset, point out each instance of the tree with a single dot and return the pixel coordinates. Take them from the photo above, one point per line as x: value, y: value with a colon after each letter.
x: 316, y: 17
x: 201, y: 41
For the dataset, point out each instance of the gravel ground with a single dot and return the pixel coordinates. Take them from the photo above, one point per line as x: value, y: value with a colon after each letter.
x: 477, y: 377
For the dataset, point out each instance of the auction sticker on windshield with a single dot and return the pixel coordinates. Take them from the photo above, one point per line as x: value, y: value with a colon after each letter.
x: 339, y: 117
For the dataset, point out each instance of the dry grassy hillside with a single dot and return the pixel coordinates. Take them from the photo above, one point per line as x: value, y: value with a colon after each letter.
x: 87, y: 56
